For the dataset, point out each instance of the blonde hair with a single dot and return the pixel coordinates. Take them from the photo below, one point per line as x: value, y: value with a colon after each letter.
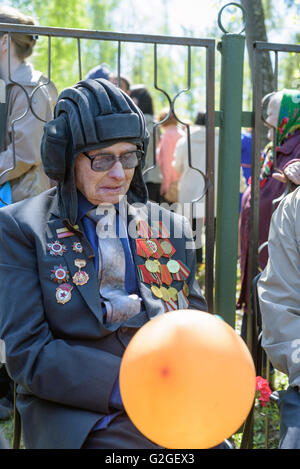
x: 24, y: 43
x: 170, y: 121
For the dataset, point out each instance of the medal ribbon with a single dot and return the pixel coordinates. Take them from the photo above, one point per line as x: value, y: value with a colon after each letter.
x: 183, y: 302
x: 170, y: 305
x: 162, y: 230
x: 144, y: 250
x: 146, y: 276
x: 166, y: 277
x: 183, y: 273
x: 144, y: 230
x: 172, y: 251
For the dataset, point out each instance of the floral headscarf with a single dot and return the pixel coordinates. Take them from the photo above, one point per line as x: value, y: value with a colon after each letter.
x: 288, y: 124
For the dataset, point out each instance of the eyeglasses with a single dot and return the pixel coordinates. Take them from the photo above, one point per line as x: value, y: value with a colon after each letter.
x: 105, y: 161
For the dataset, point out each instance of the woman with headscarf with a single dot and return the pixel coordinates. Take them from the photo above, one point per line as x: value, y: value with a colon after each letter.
x: 283, y: 115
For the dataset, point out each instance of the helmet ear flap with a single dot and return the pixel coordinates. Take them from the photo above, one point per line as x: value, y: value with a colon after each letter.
x: 54, y: 148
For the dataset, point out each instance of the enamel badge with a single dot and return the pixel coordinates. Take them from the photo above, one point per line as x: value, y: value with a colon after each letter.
x: 63, y: 293
x: 56, y: 248
x: 60, y: 274
x: 77, y: 247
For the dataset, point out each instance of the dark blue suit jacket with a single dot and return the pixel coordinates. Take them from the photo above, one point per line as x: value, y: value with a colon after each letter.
x: 63, y: 356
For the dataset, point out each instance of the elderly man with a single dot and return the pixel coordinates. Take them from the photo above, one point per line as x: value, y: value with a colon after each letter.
x: 82, y: 267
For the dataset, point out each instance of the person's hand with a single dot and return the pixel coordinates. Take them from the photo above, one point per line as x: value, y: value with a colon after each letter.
x: 291, y: 173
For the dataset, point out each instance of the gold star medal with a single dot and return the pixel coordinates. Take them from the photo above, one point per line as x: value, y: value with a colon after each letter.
x: 80, y: 278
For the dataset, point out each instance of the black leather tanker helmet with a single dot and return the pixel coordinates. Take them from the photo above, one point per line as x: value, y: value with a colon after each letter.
x: 92, y: 114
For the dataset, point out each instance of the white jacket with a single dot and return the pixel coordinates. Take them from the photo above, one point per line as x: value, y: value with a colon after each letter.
x: 279, y: 289
x: 191, y: 183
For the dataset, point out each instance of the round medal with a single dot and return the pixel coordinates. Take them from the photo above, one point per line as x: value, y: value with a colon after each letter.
x: 165, y: 294
x: 156, y: 291
x: 166, y: 247
x: 172, y: 293
x: 151, y: 245
x: 185, y: 289
x: 151, y: 266
x: 173, y: 266
x: 80, y: 278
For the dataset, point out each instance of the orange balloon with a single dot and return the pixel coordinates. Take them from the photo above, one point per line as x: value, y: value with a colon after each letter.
x: 187, y: 380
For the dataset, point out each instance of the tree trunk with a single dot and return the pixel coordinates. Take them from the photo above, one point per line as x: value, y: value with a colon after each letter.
x: 256, y: 31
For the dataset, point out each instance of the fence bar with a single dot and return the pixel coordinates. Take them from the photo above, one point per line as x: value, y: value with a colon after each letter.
x: 210, y: 173
x: 106, y: 35
x: 276, y: 47
x: 232, y: 50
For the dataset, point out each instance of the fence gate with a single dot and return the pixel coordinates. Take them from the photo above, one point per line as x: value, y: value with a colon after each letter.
x: 220, y: 247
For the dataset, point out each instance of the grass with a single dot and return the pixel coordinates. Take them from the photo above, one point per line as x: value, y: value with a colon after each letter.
x: 266, y: 420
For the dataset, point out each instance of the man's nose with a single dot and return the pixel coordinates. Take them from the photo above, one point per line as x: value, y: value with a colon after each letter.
x: 117, y: 171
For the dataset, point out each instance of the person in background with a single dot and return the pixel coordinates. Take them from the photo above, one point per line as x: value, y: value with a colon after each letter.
x: 246, y: 146
x: 191, y: 183
x: 100, y: 71
x: 122, y: 82
x: 23, y: 134
x: 171, y: 133
x: 283, y: 117
x: 141, y: 96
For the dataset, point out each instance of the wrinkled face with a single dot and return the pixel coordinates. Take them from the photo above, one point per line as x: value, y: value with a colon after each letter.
x: 107, y: 186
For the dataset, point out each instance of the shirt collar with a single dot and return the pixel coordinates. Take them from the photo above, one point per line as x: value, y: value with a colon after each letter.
x: 85, y: 206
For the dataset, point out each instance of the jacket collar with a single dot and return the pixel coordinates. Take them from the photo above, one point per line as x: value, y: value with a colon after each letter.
x: 26, y: 75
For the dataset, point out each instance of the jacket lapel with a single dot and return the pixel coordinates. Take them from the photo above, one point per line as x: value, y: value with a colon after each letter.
x: 90, y: 290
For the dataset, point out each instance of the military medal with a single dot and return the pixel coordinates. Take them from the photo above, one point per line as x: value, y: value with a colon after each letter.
x: 185, y: 289
x: 80, y: 278
x: 156, y: 291
x: 77, y: 247
x: 63, y: 293
x: 148, y: 248
x: 151, y: 266
x: 172, y: 293
x: 60, y: 274
x: 173, y: 266
x: 165, y: 293
x: 152, y: 246
x: 167, y: 248
x: 56, y: 248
